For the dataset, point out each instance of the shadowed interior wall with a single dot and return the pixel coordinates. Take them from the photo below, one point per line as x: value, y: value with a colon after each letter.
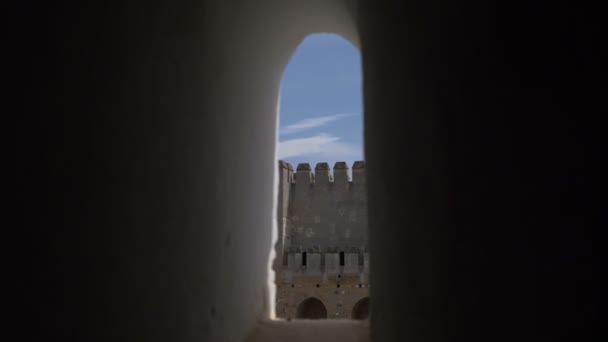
x: 146, y: 163
x: 150, y: 162
x: 483, y: 152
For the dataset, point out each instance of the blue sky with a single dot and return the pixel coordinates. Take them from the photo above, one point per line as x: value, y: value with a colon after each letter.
x: 321, y: 105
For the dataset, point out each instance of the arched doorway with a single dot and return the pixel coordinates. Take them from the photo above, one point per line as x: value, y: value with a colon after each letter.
x: 361, y: 309
x: 311, y: 308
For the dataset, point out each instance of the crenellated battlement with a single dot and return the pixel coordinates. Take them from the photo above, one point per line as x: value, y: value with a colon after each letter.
x: 322, y: 211
x: 322, y: 174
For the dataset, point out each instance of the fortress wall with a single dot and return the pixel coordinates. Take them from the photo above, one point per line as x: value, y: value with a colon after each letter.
x: 327, y: 262
x: 326, y: 212
x: 322, y: 218
x: 339, y: 301
x: 285, y: 178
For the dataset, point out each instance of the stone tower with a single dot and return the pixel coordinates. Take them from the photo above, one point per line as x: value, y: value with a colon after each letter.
x: 322, y: 264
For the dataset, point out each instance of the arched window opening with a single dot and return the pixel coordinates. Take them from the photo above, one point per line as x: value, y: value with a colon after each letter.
x: 321, y: 104
x: 322, y: 192
x: 311, y: 308
x: 361, y: 309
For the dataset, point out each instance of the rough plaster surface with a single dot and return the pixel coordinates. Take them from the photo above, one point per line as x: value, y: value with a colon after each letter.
x: 159, y: 122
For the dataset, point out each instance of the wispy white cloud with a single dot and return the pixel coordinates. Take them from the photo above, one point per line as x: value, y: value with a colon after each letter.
x: 321, y: 145
x: 312, y: 123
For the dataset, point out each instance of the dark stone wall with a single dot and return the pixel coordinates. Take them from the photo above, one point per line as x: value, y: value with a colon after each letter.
x: 484, y: 154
